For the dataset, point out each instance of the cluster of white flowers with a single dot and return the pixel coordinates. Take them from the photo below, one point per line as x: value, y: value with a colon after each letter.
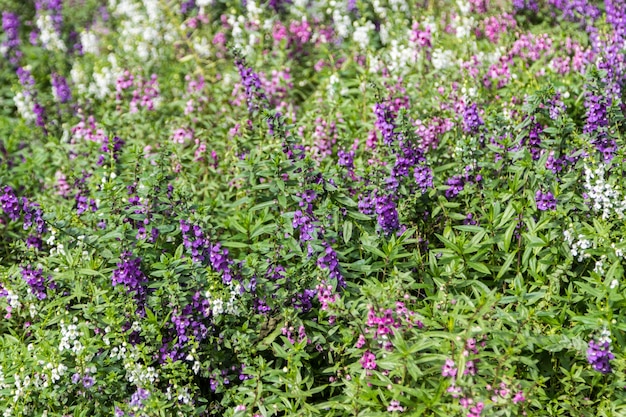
x: 605, y: 199
x: 464, y: 26
x: 400, y: 58
x: 89, y: 42
x: 578, y: 245
x: 242, y: 42
x: 144, y: 28
x: 12, y: 299
x: 136, y: 372
x: 21, y: 385
x: 24, y: 103
x: 48, y: 34
x: 442, y: 58
x: 341, y: 19
x: 182, y: 395
x: 69, y: 338
x: 104, y: 79
x: 218, y: 306
x: 361, y: 33
x: 599, y: 266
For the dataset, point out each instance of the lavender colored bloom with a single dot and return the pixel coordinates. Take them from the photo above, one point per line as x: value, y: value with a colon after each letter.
x: 203, y: 251
x: 15, y: 207
x: 11, y: 27
x: 11, y: 204
x: 83, y: 204
x: 137, y: 399
x: 129, y: 274
x: 367, y: 204
x: 368, y: 360
x: 423, y: 177
x: 329, y: 261
x: 60, y: 88
x: 448, y: 369
x: 252, y: 85
x: 37, y: 282
x: 545, y: 201
x: 305, y: 224
x: 456, y: 185
x: 599, y: 354
x: 387, y: 213
x: 25, y: 77
x: 346, y: 159
x: 471, y: 119
x: 88, y: 381
x: 385, y: 122
x: 597, y: 108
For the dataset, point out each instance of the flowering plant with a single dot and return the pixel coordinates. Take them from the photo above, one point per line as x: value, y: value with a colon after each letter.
x: 307, y: 208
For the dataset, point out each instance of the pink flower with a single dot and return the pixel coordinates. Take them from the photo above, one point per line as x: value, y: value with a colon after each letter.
x: 394, y: 405
x: 368, y: 361
x: 448, y: 369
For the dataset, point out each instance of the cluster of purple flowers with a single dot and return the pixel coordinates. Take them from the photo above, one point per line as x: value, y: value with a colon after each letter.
x: 14, y: 207
x: 37, y: 282
x: 457, y: 183
x: 387, y: 213
x: 252, y: 85
x: 138, y: 398
x: 599, y: 354
x: 329, y: 261
x: 545, y: 201
x: 11, y: 27
x: 533, y: 141
x: 60, y: 89
x: 129, y: 274
x: 346, y: 159
x: 108, y: 149
x: 83, y: 204
x: 87, y: 380
x: 423, y: 177
x: 368, y: 360
x: 385, y: 122
x: 189, y: 323
x: 204, y: 252
x: 471, y: 119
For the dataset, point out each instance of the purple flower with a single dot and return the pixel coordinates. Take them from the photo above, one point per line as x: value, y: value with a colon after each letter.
x: 137, y: 399
x: 346, y: 159
x: 129, y: 274
x: 423, y: 177
x: 448, y: 369
x: 471, y: 119
x: 37, y: 282
x: 252, y: 85
x: 545, y: 201
x: 387, y: 213
x: 329, y: 261
x: 88, y: 381
x: 599, y: 354
x: 11, y: 27
x: 368, y: 360
x: 456, y: 185
x: 385, y: 122
x: 60, y: 88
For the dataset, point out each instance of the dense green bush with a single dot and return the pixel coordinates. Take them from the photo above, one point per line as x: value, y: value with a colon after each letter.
x: 298, y: 208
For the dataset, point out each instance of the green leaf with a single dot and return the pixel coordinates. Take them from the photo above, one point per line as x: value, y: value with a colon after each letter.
x: 347, y: 231
x: 479, y: 266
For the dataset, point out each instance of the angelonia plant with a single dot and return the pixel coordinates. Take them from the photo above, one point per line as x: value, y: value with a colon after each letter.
x: 312, y: 208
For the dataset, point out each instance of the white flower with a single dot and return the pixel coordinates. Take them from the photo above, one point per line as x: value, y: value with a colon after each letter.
x: 442, y: 59
x: 48, y: 35
x: 89, y: 41
x: 361, y: 34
